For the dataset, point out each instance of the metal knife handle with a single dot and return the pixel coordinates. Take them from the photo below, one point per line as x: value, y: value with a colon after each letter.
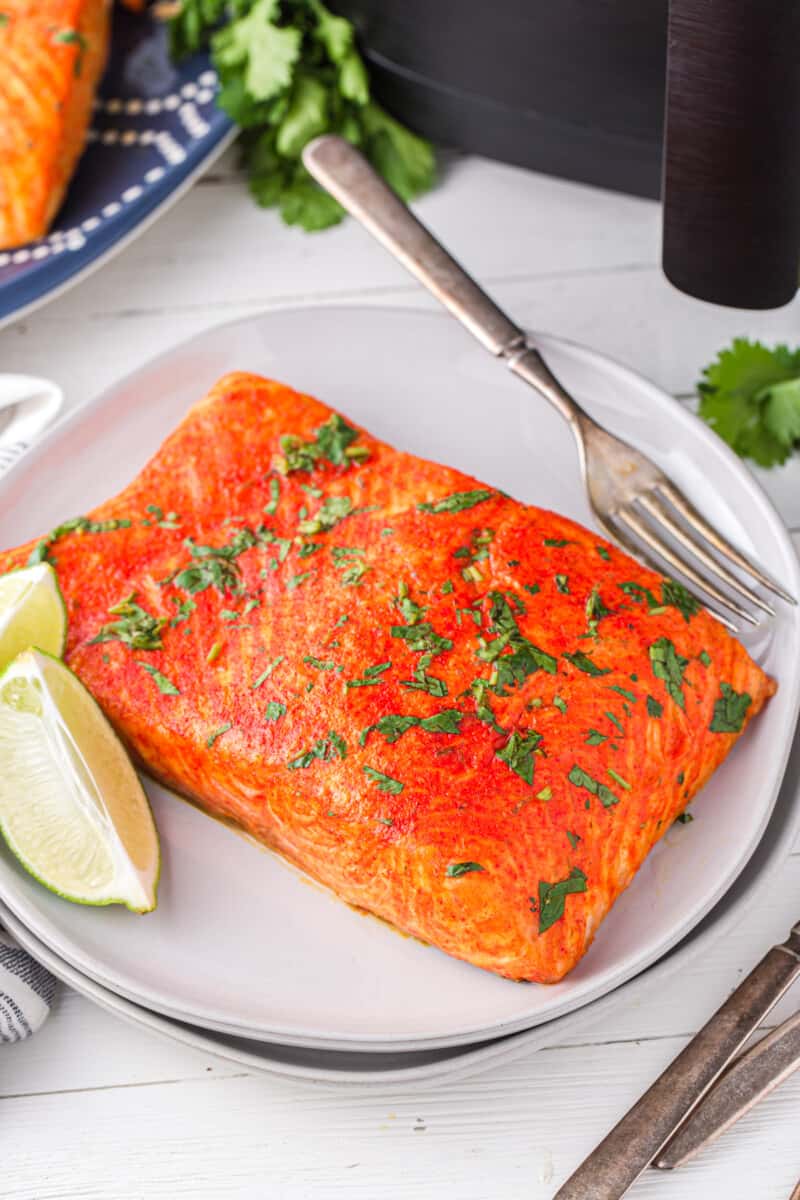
x: 752, y: 1077
x: 349, y: 178
x: 619, y: 1160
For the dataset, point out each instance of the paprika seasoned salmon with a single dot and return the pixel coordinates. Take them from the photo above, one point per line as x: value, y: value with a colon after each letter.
x: 52, y: 54
x: 469, y: 716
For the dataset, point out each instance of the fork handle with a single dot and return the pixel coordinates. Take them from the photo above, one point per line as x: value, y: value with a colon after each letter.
x: 349, y: 178
x: 635, y: 1141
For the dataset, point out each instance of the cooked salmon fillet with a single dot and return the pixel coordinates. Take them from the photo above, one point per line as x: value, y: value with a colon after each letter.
x: 471, y: 717
x: 52, y: 54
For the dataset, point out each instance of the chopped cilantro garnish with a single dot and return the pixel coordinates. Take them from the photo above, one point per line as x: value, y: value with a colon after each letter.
x: 562, y: 584
x: 581, y: 779
x: 229, y: 614
x: 72, y: 37
x: 332, y: 510
x: 212, y: 737
x: 532, y: 588
x: 385, y: 782
x: 675, y: 594
x: 639, y: 594
x: 455, y: 870
x: 387, y: 532
x: 298, y: 580
x: 595, y: 738
x: 265, y: 674
x: 393, y: 726
x: 214, y: 652
x: 371, y: 676
x: 274, y: 497
x: 669, y: 666
x: 615, y: 721
x: 585, y: 664
x: 135, y: 627
x: 41, y: 551
x: 164, y: 685
x: 274, y: 710
x: 730, y: 710
x: 524, y: 658
x: 545, y: 794
x: 705, y: 658
x: 558, y: 542
x: 618, y: 779
x: 572, y: 838
x: 596, y: 610
x: 518, y: 753
x: 631, y: 696
x: 446, y: 587
x: 601, y: 550
x: 654, y: 708
x: 214, y: 566
x: 457, y: 502
x: 560, y: 703
x: 325, y: 749
x: 333, y: 441
x: 423, y: 682
x: 309, y: 548
x: 185, y: 610
x: 320, y: 664
x: 552, y: 897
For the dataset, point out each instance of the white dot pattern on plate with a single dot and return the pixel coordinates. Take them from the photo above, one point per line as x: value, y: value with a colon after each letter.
x: 184, y: 103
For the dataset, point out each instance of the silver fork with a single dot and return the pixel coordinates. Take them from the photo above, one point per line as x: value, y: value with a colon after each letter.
x: 636, y: 504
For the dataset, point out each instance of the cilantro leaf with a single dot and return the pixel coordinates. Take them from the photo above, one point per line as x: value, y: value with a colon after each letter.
x: 582, y: 779
x: 552, y: 897
x: 730, y: 710
x: 518, y: 753
x: 585, y: 664
x: 750, y: 396
x: 385, y: 783
x: 456, y: 870
x: 265, y: 52
x: 669, y: 665
x: 457, y: 502
x: 290, y: 70
x: 164, y: 685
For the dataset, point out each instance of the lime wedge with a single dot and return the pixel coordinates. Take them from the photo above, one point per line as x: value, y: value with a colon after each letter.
x: 72, y: 808
x: 32, y: 612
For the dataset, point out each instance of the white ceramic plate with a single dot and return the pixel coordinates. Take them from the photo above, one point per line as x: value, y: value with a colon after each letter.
x: 241, y: 942
x: 363, y: 1071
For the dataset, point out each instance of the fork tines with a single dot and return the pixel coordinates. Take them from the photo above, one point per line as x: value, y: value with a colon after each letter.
x: 664, y: 522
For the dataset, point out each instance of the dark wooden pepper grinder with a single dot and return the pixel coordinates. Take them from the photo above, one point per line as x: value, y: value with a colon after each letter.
x: 732, y: 151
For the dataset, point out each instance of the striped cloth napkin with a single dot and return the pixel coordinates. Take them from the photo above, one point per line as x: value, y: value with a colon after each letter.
x: 26, y: 991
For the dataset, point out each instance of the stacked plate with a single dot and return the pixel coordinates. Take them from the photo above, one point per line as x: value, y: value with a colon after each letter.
x: 247, y: 958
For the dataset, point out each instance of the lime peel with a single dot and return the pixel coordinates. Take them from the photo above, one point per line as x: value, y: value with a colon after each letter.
x: 72, y: 808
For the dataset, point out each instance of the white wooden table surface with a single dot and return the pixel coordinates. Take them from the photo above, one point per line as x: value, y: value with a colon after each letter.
x: 96, y: 1109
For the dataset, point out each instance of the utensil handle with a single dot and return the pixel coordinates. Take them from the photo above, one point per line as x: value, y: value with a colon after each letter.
x: 634, y: 1142
x: 347, y: 175
x: 751, y: 1077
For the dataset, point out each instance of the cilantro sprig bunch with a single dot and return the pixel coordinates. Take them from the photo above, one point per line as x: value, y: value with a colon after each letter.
x: 289, y: 71
x: 750, y: 395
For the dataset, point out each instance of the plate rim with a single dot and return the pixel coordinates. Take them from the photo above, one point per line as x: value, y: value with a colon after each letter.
x: 226, y: 137
x: 643, y: 962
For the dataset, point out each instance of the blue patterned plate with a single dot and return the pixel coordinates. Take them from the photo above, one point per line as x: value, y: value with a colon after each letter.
x: 155, y: 128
